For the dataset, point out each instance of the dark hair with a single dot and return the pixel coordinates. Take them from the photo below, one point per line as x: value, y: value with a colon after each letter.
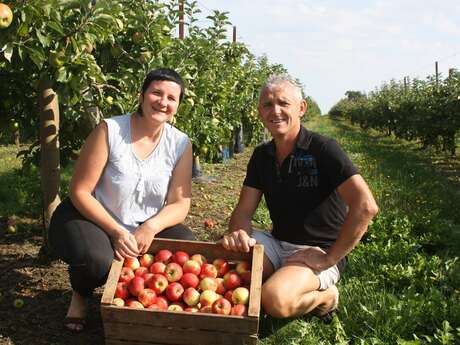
x: 162, y: 74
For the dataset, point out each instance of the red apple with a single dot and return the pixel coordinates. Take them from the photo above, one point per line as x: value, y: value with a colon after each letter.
x: 220, y: 286
x: 209, y: 223
x: 173, y: 272
x: 160, y: 303
x: 132, y: 263
x: 221, y: 266
x: 140, y: 271
x: 208, y: 297
x: 191, y: 297
x: 136, y: 285
x: 221, y: 306
x: 189, y: 280
x: 119, y: 302
x: 199, y: 258
x: 240, y: 295
x: 157, y: 267
x: 147, y: 278
x: 232, y: 280
x: 175, y: 307
x: 180, y: 257
x: 158, y: 283
x: 132, y: 303
x: 126, y: 274
x: 164, y: 256
x: 228, y: 295
x: 246, y: 278
x: 242, y: 266
x: 238, y: 309
x: 174, y: 292
x: 208, y: 270
x: 192, y: 266
x: 146, y: 260
x: 208, y: 283
x: 206, y: 309
x: 147, y: 297
x: 191, y: 310
x: 122, y: 291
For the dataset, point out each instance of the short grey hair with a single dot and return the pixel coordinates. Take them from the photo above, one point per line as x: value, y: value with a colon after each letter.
x: 275, y: 80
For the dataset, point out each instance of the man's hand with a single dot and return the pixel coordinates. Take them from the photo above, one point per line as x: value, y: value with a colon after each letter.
x: 124, y: 245
x: 238, y: 241
x: 314, y: 257
x: 144, y: 236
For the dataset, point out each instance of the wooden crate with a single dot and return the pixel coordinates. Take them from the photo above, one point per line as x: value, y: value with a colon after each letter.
x: 123, y: 326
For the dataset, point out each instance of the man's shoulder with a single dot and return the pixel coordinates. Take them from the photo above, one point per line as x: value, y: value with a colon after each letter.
x: 316, y: 141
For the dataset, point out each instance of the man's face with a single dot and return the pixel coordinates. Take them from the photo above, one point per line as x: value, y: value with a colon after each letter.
x: 280, y: 108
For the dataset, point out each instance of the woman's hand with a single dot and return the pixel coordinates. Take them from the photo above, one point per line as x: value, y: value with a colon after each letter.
x: 124, y: 245
x: 144, y: 236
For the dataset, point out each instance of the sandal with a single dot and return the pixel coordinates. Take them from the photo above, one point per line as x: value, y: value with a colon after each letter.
x: 78, y: 323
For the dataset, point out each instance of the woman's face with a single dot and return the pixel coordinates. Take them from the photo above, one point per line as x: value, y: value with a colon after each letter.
x: 160, y: 101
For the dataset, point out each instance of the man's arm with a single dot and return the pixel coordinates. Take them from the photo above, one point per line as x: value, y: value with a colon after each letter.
x: 240, y: 226
x: 361, y: 209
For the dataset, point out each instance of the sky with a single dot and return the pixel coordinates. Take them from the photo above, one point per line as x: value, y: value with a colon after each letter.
x: 333, y: 46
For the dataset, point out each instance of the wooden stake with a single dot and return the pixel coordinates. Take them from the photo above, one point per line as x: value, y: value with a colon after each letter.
x: 49, y: 148
x: 181, y: 19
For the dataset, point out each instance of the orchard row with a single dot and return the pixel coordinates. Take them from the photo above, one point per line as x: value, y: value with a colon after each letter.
x: 426, y: 110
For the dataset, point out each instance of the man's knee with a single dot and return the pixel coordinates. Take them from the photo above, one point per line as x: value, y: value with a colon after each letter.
x: 277, y: 303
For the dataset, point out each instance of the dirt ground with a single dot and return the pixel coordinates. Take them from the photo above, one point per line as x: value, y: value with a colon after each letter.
x: 44, y: 288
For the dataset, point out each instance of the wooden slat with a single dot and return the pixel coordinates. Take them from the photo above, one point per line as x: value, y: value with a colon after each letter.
x: 210, y: 250
x: 256, y: 280
x: 111, y: 284
x: 154, y: 318
x: 173, y: 335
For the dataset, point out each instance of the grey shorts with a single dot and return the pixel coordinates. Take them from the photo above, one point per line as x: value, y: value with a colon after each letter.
x: 278, y: 251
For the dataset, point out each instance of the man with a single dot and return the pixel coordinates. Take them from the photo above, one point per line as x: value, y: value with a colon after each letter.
x: 319, y: 205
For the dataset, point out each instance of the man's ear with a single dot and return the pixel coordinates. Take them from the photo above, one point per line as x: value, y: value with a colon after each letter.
x: 303, y: 107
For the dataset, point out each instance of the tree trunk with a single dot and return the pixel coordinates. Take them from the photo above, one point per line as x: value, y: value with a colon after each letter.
x: 49, y: 158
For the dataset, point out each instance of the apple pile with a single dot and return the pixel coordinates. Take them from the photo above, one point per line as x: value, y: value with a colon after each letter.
x: 182, y: 282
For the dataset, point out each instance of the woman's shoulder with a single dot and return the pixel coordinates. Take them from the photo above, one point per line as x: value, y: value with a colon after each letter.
x: 175, y: 133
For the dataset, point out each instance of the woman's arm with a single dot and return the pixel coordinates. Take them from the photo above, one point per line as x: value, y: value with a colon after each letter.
x: 88, y: 170
x: 177, y: 203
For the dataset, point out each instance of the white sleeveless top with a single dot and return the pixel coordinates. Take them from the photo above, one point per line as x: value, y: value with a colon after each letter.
x: 133, y: 190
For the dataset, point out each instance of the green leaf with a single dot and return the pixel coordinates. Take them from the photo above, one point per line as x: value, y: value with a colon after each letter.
x: 8, y: 51
x: 57, y: 27
x: 44, y: 40
x: 37, y: 56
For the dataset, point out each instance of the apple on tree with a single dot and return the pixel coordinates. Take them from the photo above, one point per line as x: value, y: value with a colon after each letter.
x: 6, y: 16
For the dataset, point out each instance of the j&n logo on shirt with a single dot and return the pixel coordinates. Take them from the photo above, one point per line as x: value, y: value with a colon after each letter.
x: 305, y: 168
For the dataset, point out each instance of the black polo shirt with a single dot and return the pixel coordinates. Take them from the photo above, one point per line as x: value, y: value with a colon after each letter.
x: 301, y: 194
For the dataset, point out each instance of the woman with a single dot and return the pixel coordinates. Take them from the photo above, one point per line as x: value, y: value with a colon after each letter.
x: 132, y: 182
